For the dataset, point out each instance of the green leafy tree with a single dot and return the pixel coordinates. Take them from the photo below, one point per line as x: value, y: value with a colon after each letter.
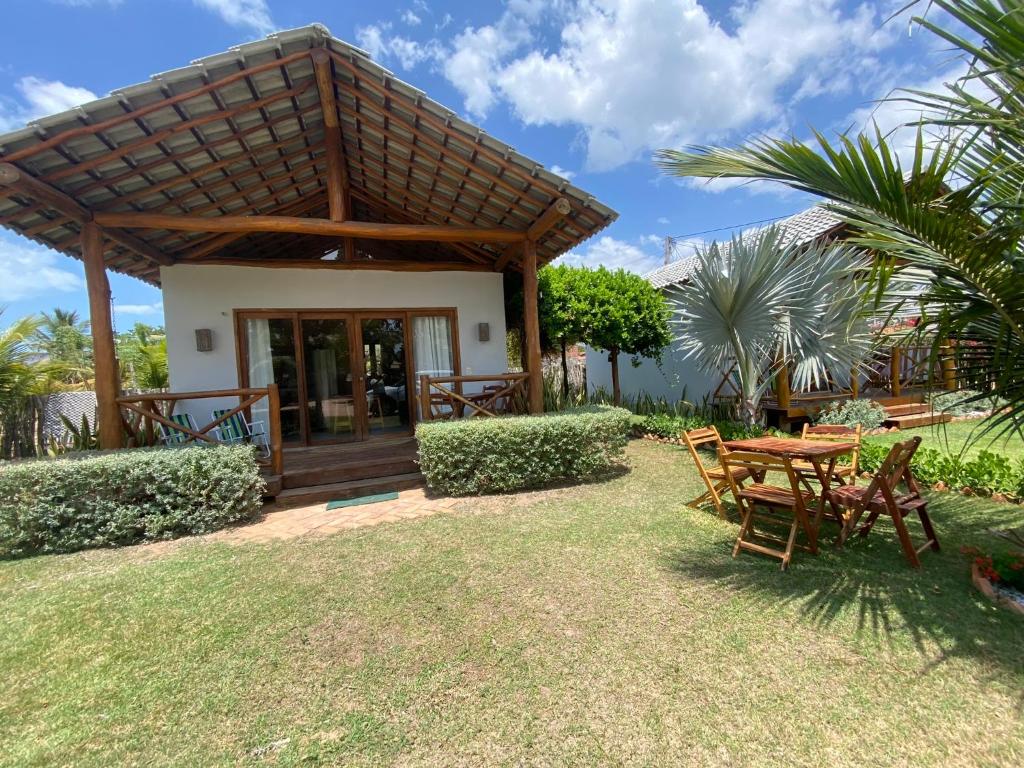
x: 142, y: 356
x: 23, y: 374
x: 757, y: 305
x: 949, y: 226
x: 565, y: 313
x: 63, y: 337
x: 627, y: 315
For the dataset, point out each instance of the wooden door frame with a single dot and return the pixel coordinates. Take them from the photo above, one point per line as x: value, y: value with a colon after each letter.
x: 355, y: 332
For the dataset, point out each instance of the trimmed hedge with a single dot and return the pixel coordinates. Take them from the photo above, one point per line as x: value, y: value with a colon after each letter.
x: 476, y: 456
x: 113, y: 499
x: 850, y: 413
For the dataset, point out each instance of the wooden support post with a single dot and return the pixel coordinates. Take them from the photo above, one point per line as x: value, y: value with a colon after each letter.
x: 895, y: 370
x: 338, y: 199
x: 948, y: 363
x: 274, y: 417
x: 425, y: 412
x: 531, y: 322
x: 107, y: 377
x: 782, y: 393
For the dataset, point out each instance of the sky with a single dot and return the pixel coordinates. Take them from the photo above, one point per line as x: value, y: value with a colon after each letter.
x: 590, y: 88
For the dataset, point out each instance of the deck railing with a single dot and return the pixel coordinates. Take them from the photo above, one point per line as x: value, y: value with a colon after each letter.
x: 443, y: 398
x: 141, y: 413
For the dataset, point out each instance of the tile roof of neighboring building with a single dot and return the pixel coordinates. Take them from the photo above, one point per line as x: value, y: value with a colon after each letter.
x: 801, y: 228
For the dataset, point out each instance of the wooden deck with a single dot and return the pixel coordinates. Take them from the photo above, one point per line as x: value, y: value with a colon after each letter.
x: 329, y: 472
x: 804, y: 407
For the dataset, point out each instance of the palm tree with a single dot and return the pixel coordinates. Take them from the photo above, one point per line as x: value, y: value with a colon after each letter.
x: 64, y: 339
x: 757, y: 305
x: 950, y: 223
x: 22, y: 375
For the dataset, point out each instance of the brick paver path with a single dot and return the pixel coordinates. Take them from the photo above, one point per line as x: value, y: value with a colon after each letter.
x: 289, y: 522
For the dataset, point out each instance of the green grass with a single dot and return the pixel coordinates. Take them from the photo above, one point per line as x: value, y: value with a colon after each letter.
x: 958, y: 437
x: 606, y: 624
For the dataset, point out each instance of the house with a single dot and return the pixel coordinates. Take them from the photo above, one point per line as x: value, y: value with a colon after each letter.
x: 896, y: 377
x: 324, y: 235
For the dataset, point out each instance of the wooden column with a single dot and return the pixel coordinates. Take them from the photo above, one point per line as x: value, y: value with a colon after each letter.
x: 107, y: 377
x: 895, y: 369
x: 948, y: 363
x: 782, y: 392
x: 531, y: 322
x: 855, y: 383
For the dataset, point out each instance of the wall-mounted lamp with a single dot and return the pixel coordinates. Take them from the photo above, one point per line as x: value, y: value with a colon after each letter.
x: 484, y: 331
x: 204, y: 340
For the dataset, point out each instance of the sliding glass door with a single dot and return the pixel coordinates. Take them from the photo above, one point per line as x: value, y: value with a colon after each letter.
x: 344, y: 375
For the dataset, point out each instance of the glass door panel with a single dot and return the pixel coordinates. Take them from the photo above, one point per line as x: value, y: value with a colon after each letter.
x: 270, y: 347
x: 330, y: 404
x: 387, y: 398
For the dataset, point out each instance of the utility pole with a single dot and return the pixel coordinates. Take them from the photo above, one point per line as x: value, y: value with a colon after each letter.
x: 669, y: 246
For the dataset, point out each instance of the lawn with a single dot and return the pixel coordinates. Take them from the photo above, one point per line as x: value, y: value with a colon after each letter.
x: 606, y: 624
x: 958, y: 436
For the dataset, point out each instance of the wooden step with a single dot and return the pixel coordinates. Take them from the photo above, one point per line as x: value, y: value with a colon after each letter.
x: 361, y: 469
x: 918, y: 420
x: 907, y: 409
x: 351, y: 489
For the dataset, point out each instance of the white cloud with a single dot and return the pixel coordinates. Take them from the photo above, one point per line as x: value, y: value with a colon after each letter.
x: 560, y: 171
x: 156, y: 308
x: 40, y: 97
x: 636, y: 75
x: 663, y: 220
x: 253, y: 14
x: 28, y: 271
x: 613, y: 254
x: 411, y: 18
x: 377, y: 41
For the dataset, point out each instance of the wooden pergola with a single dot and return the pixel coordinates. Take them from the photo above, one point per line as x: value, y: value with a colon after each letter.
x: 294, y: 151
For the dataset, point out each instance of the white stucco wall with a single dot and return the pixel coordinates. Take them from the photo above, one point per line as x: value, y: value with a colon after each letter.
x: 205, y: 297
x: 671, y: 380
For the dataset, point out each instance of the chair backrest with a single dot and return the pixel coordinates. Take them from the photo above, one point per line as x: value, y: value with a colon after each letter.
x: 836, y: 433
x: 695, y: 438
x: 894, y: 469
x: 758, y: 464
x: 173, y: 435
x: 233, y: 427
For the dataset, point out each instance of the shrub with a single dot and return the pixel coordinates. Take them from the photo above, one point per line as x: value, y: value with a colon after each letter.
x: 850, y: 413
x: 667, y: 426
x: 986, y: 473
x: 476, y: 456
x: 112, y: 499
x: 966, y: 401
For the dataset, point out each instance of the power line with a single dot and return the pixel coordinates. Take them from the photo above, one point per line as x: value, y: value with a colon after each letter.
x: 733, y: 226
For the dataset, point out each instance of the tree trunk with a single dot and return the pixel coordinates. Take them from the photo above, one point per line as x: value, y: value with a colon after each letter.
x: 613, y: 358
x: 565, y: 372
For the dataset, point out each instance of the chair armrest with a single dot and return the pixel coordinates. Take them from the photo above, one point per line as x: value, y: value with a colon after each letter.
x: 257, y: 427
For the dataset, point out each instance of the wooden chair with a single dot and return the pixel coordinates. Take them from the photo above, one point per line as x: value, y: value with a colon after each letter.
x: 714, y: 478
x: 785, y: 504
x: 845, y: 474
x: 882, y: 496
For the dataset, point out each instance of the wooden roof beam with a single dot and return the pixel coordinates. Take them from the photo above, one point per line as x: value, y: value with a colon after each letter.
x: 365, y: 229
x: 555, y: 212
x: 339, y: 202
x: 17, y: 180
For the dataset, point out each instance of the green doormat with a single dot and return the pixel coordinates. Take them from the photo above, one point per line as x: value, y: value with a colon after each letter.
x: 373, y: 499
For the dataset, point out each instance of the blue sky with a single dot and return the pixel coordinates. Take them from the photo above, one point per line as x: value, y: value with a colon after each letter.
x: 588, y: 87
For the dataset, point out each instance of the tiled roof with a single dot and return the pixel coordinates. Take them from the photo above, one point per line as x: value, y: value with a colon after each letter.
x: 799, y: 229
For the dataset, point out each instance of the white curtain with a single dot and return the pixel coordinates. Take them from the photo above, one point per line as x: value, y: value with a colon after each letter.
x: 325, y: 373
x: 261, y: 363
x: 432, y: 346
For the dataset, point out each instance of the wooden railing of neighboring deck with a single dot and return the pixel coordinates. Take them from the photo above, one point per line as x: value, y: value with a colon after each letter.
x: 141, y: 414
x: 441, y: 397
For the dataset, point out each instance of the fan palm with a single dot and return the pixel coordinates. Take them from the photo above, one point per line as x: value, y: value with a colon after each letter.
x: 950, y: 222
x: 756, y: 305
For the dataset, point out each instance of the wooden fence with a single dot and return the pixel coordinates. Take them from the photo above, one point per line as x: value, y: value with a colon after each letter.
x: 442, y: 397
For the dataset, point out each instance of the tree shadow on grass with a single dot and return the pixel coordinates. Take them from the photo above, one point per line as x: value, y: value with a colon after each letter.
x: 868, y: 588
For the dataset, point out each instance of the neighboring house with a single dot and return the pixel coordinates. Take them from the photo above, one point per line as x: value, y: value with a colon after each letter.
x: 677, y: 377
x: 314, y: 223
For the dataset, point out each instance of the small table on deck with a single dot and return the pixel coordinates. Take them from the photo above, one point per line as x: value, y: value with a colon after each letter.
x: 815, y: 452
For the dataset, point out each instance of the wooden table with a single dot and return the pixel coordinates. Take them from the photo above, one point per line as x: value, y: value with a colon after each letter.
x: 815, y: 452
